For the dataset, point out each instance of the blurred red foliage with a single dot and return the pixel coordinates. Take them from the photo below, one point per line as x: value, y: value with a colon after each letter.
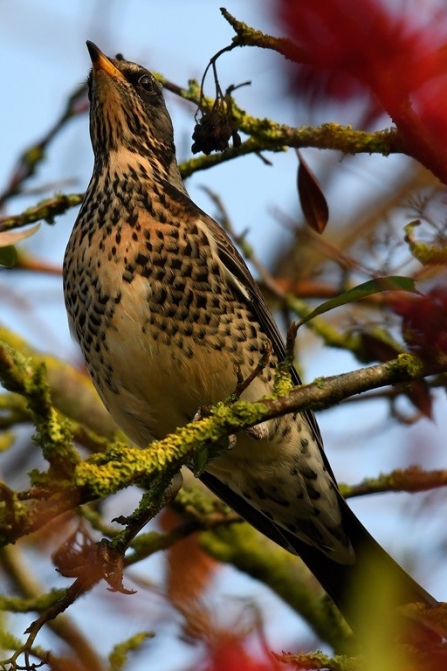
x: 229, y: 652
x: 396, y: 55
x: 424, y: 321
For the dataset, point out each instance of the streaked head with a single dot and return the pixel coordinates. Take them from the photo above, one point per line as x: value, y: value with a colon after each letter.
x: 127, y: 110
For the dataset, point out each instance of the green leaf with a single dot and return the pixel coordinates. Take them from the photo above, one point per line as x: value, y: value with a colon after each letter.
x: 8, y: 256
x: 390, y: 283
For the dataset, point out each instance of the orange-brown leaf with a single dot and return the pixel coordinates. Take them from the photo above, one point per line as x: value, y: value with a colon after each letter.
x: 190, y: 569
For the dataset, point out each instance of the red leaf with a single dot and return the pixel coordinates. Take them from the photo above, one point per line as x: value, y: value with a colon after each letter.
x: 186, y: 557
x: 313, y: 202
x: 424, y: 321
x: 420, y: 396
x: 395, y: 55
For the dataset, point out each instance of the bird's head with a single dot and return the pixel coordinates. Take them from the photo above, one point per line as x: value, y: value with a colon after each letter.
x: 128, y: 111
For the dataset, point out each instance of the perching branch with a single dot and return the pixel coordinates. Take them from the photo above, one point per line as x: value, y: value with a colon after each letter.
x: 120, y: 465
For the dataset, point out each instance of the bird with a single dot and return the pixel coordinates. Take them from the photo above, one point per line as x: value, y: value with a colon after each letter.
x: 169, y: 319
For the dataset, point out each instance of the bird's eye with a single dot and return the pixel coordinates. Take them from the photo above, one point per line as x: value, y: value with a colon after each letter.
x: 146, y: 83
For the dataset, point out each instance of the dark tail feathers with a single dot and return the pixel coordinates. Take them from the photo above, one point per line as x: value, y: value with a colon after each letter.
x: 345, y: 584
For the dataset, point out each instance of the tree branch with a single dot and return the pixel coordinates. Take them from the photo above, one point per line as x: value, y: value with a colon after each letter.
x: 120, y: 465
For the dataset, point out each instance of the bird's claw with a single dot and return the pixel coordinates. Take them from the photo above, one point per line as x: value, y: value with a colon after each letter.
x: 257, y: 432
x: 201, y: 412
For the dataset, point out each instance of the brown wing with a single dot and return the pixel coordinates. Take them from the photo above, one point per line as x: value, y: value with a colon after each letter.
x: 237, y: 267
x: 235, y: 264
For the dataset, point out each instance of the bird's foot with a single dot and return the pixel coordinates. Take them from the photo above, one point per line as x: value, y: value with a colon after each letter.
x: 257, y: 432
x: 201, y: 412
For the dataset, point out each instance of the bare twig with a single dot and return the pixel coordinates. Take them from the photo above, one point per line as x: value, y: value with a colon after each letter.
x: 27, y: 163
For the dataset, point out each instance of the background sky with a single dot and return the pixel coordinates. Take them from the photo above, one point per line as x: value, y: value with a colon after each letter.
x: 43, y: 56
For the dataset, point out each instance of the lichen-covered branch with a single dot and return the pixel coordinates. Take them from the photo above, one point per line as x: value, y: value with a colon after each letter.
x: 250, y: 37
x: 329, y: 391
x: 45, y: 210
x: 265, y: 135
x: 72, y: 392
x: 412, y: 479
x: 71, y: 481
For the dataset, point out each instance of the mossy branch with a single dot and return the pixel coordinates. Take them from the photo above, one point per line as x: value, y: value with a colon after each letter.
x: 426, y: 254
x: 71, y: 481
x: 121, y: 466
x: 72, y: 392
x: 266, y: 135
x: 250, y: 37
x: 412, y: 479
x: 46, y: 210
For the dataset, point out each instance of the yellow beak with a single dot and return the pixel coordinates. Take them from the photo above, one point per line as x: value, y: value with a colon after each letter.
x: 101, y: 62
